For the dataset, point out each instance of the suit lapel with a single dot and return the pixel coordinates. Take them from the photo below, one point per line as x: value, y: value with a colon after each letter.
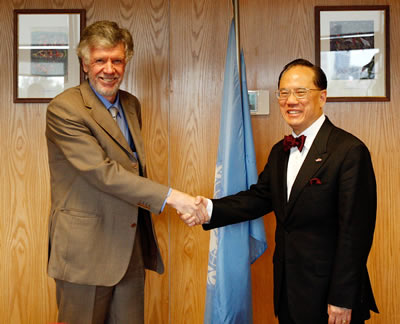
x: 283, y: 173
x: 101, y: 115
x: 132, y: 119
x: 281, y: 176
x: 314, y: 160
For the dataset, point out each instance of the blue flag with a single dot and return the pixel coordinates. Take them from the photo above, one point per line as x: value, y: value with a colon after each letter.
x: 233, y: 248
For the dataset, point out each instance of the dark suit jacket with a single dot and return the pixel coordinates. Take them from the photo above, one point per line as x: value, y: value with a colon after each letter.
x: 97, y: 190
x: 324, y: 232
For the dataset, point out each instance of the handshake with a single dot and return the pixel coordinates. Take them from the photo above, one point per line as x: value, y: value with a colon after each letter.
x: 191, y: 210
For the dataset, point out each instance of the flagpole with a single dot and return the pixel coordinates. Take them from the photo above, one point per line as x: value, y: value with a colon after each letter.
x: 237, y: 33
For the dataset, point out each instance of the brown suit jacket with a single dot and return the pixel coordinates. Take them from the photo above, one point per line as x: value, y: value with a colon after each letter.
x: 97, y: 191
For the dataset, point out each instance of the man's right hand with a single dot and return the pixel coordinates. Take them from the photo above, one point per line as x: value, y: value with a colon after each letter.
x: 191, y: 210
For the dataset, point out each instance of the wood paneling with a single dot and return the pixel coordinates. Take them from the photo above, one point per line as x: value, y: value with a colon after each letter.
x: 24, y: 197
x: 291, y: 24
x: 197, y: 48
x: 148, y: 79
x: 177, y: 73
x: 27, y: 294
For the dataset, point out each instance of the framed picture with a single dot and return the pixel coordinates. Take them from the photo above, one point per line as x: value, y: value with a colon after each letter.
x: 352, y: 48
x: 45, y: 62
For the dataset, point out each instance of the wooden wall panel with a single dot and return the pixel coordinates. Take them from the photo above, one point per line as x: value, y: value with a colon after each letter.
x: 197, y: 50
x: 27, y: 294
x: 147, y: 78
x: 291, y: 26
x: 177, y: 73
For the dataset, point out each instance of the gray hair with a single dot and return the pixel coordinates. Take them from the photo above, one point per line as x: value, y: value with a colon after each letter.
x: 105, y: 34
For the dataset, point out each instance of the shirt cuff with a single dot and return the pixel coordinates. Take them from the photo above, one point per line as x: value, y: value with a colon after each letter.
x: 209, y: 209
x: 165, y: 201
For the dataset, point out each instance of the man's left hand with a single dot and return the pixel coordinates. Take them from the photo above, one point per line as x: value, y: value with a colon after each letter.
x: 339, y: 315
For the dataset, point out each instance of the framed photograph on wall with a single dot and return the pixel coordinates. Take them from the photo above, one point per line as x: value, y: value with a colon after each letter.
x: 352, y: 47
x: 45, y: 62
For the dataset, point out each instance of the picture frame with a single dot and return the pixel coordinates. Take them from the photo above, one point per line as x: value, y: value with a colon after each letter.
x: 352, y: 46
x: 45, y: 62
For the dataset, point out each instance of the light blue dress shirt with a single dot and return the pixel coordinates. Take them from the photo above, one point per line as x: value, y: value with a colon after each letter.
x: 121, y: 119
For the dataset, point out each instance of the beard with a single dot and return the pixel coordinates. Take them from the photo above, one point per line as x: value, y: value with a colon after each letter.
x: 104, y: 90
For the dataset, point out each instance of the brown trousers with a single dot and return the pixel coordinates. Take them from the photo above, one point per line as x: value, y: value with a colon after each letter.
x: 122, y: 303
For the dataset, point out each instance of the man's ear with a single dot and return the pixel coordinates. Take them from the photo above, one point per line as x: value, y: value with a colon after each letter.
x: 85, y: 67
x: 322, y: 97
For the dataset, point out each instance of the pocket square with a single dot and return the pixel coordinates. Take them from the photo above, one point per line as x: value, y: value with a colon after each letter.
x: 315, y: 181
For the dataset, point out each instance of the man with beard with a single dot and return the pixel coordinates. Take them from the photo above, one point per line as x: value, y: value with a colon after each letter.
x: 101, y: 236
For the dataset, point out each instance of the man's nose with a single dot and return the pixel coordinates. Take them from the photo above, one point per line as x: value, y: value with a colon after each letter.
x: 108, y: 67
x: 292, y: 98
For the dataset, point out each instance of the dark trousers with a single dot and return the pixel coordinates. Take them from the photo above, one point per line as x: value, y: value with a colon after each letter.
x: 284, y: 315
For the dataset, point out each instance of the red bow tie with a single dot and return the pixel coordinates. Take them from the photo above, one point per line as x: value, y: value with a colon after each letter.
x: 290, y: 141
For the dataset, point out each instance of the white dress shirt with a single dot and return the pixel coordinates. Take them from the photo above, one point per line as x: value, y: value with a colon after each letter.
x: 296, y: 158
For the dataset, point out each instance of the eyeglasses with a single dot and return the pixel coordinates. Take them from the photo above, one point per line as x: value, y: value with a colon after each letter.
x: 299, y: 93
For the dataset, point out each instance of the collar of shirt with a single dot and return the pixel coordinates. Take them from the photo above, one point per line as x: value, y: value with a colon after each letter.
x: 311, y: 132
x: 105, y: 102
x: 121, y: 121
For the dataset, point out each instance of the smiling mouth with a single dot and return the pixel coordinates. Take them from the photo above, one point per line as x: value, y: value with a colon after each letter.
x: 108, y: 80
x: 293, y: 112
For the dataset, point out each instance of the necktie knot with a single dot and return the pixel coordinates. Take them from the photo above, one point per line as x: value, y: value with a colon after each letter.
x: 114, y: 112
x: 290, y: 141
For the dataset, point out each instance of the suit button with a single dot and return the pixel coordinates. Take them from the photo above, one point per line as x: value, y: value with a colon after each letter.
x: 133, y: 225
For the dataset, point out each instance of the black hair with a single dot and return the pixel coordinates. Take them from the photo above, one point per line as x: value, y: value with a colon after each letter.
x: 319, y: 75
